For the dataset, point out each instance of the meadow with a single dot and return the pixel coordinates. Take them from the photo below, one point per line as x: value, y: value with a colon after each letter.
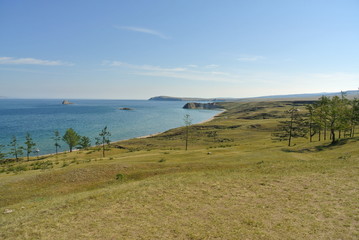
x: 233, y: 182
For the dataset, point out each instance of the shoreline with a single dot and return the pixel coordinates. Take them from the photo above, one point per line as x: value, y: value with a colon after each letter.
x: 140, y: 137
x: 158, y: 133
x: 210, y: 119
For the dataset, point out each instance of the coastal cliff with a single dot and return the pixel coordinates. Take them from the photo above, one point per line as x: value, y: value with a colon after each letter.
x: 194, y: 105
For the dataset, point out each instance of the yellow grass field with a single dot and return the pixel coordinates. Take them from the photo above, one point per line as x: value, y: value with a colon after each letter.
x: 234, y: 182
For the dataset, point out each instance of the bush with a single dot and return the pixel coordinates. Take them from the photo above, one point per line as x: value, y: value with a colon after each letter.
x: 41, y: 165
x: 15, y: 169
x: 120, y: 176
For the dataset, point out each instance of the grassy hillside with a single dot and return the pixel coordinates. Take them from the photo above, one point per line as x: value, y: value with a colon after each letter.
x: 234, y: 182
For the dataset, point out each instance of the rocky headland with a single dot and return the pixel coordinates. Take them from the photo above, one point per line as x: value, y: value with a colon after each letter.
x: 194, y: 105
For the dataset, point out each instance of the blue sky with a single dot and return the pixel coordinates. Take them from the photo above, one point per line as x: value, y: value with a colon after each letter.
x: 194, y: 48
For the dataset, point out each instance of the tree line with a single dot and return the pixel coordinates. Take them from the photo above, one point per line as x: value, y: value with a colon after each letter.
x: 332, y: 118
x: 71, y: 138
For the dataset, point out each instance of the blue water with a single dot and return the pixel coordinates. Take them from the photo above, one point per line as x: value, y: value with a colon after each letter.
x: 42, y: 117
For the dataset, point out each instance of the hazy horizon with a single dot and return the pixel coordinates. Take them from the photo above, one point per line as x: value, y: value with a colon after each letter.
x: 207, y: 49
x: 139, y: 99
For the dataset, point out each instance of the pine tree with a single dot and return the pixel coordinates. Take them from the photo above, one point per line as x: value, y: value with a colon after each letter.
x: 71, y: 138
x: 293, y: 128
x: 336, y: 117
x: 312, y: 129
x: 354, y: 116
x: 84, y: 142
x: 29, y: 145
x: 15, y: 150
x: 56, y: 139
x: 2, y: 154
x: 322, y: 112
x: 103, y: 140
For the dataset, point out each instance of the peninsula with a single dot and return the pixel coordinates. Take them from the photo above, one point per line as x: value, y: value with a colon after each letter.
x: 195, y: 105
x: 168, y: 98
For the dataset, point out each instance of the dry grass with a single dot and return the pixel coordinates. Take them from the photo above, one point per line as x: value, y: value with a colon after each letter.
x: 248, y: 187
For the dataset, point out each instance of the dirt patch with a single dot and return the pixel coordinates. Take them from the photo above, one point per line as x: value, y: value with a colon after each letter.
x: 254, y: 126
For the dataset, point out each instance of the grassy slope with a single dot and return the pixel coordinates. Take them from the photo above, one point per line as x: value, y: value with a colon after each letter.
x: 248, y: 187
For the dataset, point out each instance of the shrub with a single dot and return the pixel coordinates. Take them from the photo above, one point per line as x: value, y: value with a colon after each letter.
x: 65, y: 164
x: 41, y: 165
x: 120, y: 176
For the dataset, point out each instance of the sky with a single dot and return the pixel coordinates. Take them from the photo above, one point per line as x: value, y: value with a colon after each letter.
x: 137, y: 49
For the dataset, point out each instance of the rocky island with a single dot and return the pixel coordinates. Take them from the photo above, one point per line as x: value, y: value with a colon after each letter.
x: 65, y: 102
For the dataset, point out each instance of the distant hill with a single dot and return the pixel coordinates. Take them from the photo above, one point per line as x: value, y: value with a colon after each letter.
x: 168, y: 98
x: 310, y: 95
x: 304, y: 96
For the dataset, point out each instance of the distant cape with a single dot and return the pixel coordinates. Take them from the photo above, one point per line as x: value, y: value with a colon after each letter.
x: 168, y: 98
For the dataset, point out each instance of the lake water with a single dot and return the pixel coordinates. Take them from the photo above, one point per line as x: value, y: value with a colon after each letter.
x: 42, y: 117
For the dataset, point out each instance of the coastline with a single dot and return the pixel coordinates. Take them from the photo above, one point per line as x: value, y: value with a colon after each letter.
x: 158, y: 133
x: 210, y: 119
x: 140, y: 137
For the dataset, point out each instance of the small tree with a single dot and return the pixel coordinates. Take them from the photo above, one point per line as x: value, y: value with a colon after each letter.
x: 71, y: 138
x: 103, y: 139
x: 187, y: 121
x: 2, y: 154
x: 29, y: 145
x: 84, y: 142
x: 354, y: 115
x: 57, y: 139
x: 313, y: 122
x: 337, y: 116
x: 322, y: 109
x: 15, y: 150
x: 292, y: 128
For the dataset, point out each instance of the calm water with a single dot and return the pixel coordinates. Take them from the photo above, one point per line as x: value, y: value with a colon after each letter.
x: 41, y: 118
